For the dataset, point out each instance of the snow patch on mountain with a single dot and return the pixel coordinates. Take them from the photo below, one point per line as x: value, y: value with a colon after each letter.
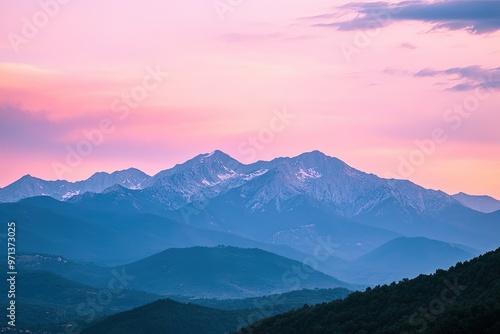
x: 209, y: 154
x: 229, y: 175
x: 208, y: 183
x: 225, y: 177
x: 255, y: 174
x: 70, y: 194
x: 310, y: 173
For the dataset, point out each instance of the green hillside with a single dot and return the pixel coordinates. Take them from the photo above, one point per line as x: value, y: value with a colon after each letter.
x: 168, y: 316
x: 224, y: 272
x: 463, y: 299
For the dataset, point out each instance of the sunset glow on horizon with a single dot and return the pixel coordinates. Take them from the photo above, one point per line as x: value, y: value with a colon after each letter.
x: 384, y: 86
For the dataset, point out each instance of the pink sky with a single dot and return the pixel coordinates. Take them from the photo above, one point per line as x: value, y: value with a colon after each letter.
x: 228, y: 78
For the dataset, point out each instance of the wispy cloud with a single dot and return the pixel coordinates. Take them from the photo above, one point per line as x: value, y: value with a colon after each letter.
x: 468, y: 77
x: 471, y: 76
x: 477, y: 17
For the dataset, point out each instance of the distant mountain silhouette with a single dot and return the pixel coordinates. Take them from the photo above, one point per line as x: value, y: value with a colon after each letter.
x: 485, y: 204
x: 406, y: 258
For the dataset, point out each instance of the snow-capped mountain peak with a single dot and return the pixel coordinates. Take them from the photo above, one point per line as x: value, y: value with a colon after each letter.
x: 314, y: 176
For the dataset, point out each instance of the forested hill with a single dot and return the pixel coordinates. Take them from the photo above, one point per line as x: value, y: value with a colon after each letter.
x: 463, y: 299
x: 168, y: 316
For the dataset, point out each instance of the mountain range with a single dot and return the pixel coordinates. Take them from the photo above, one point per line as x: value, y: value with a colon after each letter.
x: 211, y: 231
x: 29, y: 186
x: 309, y: 207
x: 209, y: 175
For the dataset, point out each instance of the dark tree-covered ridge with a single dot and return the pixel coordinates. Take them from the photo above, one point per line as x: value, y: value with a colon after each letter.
x: 462, y: 299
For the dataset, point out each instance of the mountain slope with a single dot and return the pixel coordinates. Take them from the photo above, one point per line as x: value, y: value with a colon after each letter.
x: 224, y: 272
x: 46, y: 289
x: 238, y: 312
x: 300, y: 223
x: 48, y: 226
x: 484, y: 204
x: 463, y: 299
x: 401, y: 257
x: 85, y: 273
x: 197, y: 272
x: 277, y: 303
x: 168, y: 316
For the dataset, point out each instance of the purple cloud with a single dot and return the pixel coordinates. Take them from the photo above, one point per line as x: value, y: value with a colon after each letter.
x: 474, y: 16
x: 473, y: 76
